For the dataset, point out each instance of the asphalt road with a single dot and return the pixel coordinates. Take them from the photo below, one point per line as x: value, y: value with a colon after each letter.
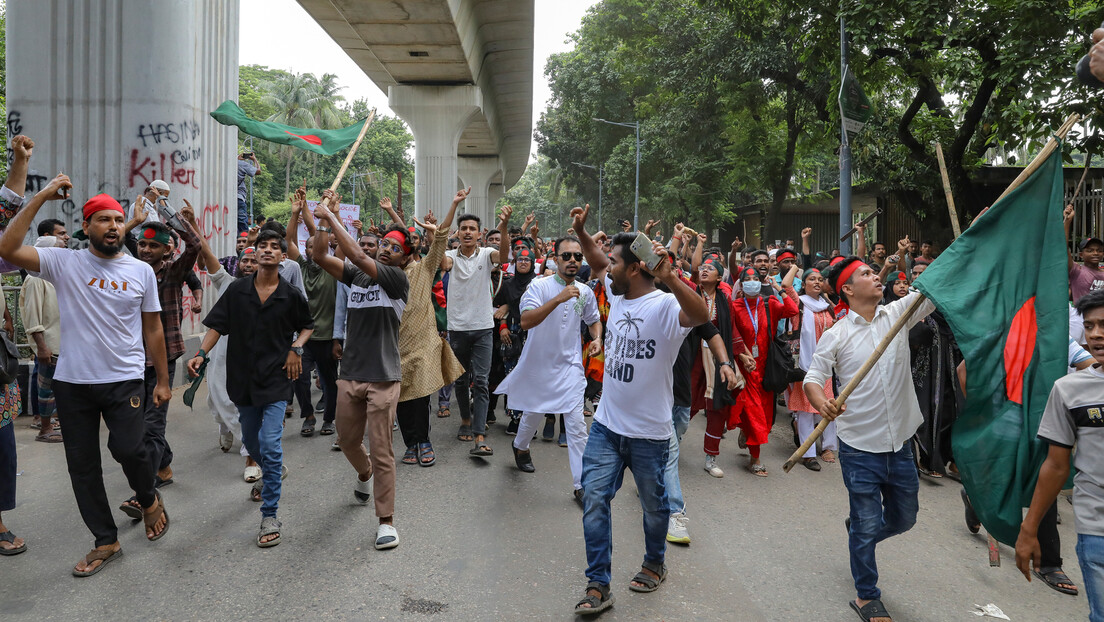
x: 482, y: 541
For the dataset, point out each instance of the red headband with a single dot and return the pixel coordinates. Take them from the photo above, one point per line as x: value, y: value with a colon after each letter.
x: 400, y: 238
x: 835, y: 260
x: 784, y: 254
x: 99, y: 203
x: 845, y: 275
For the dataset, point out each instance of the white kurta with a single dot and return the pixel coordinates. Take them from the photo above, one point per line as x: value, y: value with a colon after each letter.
x: 549, y: 375
x: 222, y: 409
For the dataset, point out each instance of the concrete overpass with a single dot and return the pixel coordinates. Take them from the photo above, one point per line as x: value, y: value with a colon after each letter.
x: 460, y: 73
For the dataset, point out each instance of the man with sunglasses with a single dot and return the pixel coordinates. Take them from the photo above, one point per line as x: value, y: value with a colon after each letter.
x: 549, y: 376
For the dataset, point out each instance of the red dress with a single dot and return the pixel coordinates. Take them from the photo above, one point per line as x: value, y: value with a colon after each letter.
x: 754, y: 408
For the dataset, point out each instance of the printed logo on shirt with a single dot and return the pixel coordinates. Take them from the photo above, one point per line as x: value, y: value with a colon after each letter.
x: 374, y: 296
x: 626, y: 346
x: 1089, y: 416
x: 1096, y: 284
x: 108, y: 284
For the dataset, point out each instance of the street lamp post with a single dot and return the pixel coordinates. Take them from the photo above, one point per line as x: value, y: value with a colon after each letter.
x: 599, y: 169
x: 636, y: 201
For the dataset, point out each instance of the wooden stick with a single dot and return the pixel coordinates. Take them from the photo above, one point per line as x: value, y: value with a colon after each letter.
x: 1044, y: 153
x: 349, y: 158
x: 864, y: 221
x: 1077, y: 190
x: 863, y: 371
x: 947, y: 190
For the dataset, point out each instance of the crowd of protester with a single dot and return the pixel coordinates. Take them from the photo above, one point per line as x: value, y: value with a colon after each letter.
x: 560, y: 329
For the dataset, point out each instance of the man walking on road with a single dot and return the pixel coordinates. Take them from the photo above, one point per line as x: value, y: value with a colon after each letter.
x: 880, y: 417
x: 108, y: 298
x: 259, y: 315
x: 632, y: 428
x: 549, y: 378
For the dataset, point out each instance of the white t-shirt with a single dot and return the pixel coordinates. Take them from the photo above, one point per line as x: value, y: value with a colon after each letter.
x: 643, y: 336
x: 151, y: 211
x: 101, y: 303
x: 469, y: 292
x: 549, y: 374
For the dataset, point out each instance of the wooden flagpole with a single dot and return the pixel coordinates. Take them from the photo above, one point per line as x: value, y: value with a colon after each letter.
x: 902, y: 321
x: 947, y: 190
x: 349, y: 158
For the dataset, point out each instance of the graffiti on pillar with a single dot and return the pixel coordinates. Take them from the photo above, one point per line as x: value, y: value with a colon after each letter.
x: 15, y: 127
x: 169, y: 151
x: 211, y: 222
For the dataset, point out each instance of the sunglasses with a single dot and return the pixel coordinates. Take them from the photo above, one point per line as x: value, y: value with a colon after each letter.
x: 570, y: 256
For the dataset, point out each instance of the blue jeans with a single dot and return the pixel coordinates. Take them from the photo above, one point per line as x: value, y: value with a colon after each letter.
x: 681, y: 417
x: 1090, y: 553
x: 243, y: 216
x: 473, y: 348
x: 605, y: 458
x: 882, y: 489
x: 262, y: 435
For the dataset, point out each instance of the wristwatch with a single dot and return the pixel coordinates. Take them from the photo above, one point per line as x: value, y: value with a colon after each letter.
x: 326, y: 229
x: 729, y: 365
x: 297, y: 349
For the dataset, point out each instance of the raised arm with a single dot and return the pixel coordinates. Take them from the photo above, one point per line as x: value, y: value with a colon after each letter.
x: 500, y: 254
x: 207, y: 257
x: 693, y: 310
x: 385, y: 205
x: 1067, y: 223
x: 860, y: 246
x: 696, y: 261
x: 11, y: 242
x: 596, y: 259
x: 348, y: 245
x: 21, y: 147
x: 298, y: 206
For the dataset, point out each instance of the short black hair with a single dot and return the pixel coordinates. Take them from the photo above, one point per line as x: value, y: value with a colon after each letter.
x: 1090, y: 301
x: 46, y: 227
x: 928, y: 242
x: 272, y: 225
x: 624, y: 240
x: 270, y: 234
x: 753, y: 254
x: 369, y: 235
x: 566, y: 238
x: 836, y: 271
x: 877, y: 243
x: 405, y: 233
x: 466, y: 217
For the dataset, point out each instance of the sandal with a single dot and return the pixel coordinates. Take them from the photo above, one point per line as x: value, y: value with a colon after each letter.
x: 269, y: 526
x: 8, y: 536
x: 151, y: 519
x: 53, y: 436
x: 1053, y: 577
x: 828, y: 456
x: 465, y: 433
x: 595, y: 604
x: 411, y: 455
x: 426, y: 457
x: 255, y: 490
x: 482, y: 449
x: 758, y: 469
x: 132, y: 508
x: 443, y: 411
x: 104, y: 556
x: 871, y: 610
x: 650, y: 583
x: 308, y: 426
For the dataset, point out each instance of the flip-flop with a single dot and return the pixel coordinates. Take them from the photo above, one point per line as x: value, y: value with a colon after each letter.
x: 150, y: 521
x: 132, y: 510
x: 481, y: 450
x: 871, y: 610
x: 8, y: 536
x: 443, y: 412
x: 53, y: 436
x: 758, y: 469
x: 105, y: 557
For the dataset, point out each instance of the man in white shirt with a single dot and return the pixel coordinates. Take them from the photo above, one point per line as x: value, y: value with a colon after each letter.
x: 471, y: 322
x: 874, y: 427
x: 549, y: 378
x: 153, y: 193
x: 104, y: 297
x: 632, y: 427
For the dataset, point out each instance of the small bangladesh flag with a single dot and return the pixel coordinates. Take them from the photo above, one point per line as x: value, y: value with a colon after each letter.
x: 1003, y: 287
x: 324, y: 142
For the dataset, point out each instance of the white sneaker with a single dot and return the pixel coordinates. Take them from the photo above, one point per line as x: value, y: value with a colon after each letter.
x: 363, y: 491
x: 226, y: 441
x: 712, y: 468
x: 386, y: 537
x: 676, y: 529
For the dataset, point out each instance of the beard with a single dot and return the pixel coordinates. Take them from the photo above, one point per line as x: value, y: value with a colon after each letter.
x: 104, y: 247
x: 618, y: 287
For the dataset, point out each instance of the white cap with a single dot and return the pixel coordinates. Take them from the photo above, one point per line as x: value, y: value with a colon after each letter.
x: 160, y: 185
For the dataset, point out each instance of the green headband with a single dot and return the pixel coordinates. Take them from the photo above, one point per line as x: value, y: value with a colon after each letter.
x: 161, y: 237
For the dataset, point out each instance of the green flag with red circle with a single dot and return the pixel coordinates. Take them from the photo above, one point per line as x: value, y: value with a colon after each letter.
x: 324, y: 142
x: 1003, y: 287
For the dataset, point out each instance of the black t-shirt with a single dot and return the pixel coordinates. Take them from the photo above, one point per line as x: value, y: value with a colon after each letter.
x: 372, y: 326
x: 259, y: 338
x: 685, y: 361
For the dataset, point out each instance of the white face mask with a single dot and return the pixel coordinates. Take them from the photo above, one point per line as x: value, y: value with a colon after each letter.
x: 751, y: 288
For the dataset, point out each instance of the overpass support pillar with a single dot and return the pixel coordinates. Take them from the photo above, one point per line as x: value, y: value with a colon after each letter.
x: 478, y: 172
x: 437, y: 115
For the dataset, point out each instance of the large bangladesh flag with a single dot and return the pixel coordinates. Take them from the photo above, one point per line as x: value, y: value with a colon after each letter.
x: 1003, y: 287
x: 325, y: 142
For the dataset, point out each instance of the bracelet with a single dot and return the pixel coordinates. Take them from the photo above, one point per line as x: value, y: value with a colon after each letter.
x: 502, y: 326
x: 728, y: 364
x: 202, y: 353
x: 326, y: 229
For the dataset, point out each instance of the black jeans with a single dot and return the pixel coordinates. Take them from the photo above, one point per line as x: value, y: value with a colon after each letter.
x: 318, y: 353
x: 157, y: 446
x: 413, y: 416
x: 121, y: 404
